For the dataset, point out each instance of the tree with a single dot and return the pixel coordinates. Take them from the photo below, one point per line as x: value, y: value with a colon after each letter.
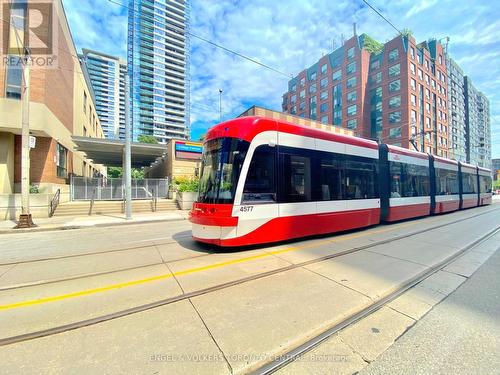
x: 115, y: 172
x: 406, y: 32
x: 137, y: 174
x: 144, y: 138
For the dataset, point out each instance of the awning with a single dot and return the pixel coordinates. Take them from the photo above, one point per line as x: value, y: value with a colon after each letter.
x: 109, y: 152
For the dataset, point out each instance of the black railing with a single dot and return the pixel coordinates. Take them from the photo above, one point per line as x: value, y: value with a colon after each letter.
x: 54, y: 202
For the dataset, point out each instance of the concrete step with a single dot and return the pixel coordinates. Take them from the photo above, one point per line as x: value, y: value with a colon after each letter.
x: 82, y: 208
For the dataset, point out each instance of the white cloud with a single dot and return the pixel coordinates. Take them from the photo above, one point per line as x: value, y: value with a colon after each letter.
x: 419, y: 7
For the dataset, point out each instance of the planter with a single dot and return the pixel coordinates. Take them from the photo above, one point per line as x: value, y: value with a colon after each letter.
x: 186, y: 199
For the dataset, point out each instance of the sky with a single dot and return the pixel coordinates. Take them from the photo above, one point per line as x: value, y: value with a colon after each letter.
x: 290, y: 35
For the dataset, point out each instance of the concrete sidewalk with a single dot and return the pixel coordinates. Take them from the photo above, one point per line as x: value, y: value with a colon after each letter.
x: 72, y: 222
x: 459, y: 336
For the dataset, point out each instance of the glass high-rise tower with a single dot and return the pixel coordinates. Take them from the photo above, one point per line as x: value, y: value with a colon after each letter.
x: 158, y: 61
x: 107, y: 75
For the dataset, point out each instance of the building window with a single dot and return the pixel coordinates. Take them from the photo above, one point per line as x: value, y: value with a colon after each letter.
x: 351, y: 96
x: 61, y: 161
x: 84, y: 102
x: 14, y: 80
x: 393, y: 55
x: 293, y: 98
x: 376, y: 78
x: 324, y: 119
x: 420, y: 74
x: 394, y: 70
x: 427, y: 94
x: 350, y: 53
x: 395, y: 132
x: 413, y: 117
x: 312, y: 107
x: 323, y: 107
x: 412, y: 52
x: 302, y: 106
x: 440, y: 59
x: 302, y: 82
x: 395, y: 101
x: 302, y: 94
x: 427, y: 107
x: 313, y: 76
x: 427, y: 64
x: 395, y: 117
x: 427, y: 79
x: 293, y: 87
x: 395, y: 85
x: 323, y: 69
x: 323, y: 95
x: 337, y: 75
x: 293, y: 110
x: 312, y: 88
x: 412, y: 68
x: 352, y: 124
x: 375, y: 64
x: 413, y: 100
x: 351, y: 68
x: 323, y: 83
x: 413, y: 84
x: 351, y: 82
x: 337, y: 104
x: 351, y: 110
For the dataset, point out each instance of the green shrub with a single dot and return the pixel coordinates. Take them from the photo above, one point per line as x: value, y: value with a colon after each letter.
x: 184, y: 184
x: 34, y: 189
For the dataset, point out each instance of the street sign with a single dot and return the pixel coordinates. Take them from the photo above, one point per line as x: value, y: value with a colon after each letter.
x: 32, y: 141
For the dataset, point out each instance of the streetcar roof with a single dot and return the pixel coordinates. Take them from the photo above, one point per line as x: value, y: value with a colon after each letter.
x: 247, y: 128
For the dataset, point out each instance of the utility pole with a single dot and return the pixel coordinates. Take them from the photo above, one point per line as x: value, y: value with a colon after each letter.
x: 127, y: 160
x: 220, y: 105
x: 25, y: 219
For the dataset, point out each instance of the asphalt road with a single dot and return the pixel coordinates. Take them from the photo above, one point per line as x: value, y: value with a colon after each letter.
x: 459, y: 336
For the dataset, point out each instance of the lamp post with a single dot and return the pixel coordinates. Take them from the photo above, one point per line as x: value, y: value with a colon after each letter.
x: 25, y: 220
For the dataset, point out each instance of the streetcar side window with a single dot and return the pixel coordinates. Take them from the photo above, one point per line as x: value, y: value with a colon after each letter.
x: 297, y: 178
x: 469, y: 184
x: 446, y: 181
x: 360, y: 178
x: 331, y: 178
x: 409, y: 180
x: 484, y: 184
x: 260, y: 184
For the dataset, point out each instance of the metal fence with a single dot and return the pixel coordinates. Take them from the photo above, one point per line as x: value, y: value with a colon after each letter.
x: 102, y: 188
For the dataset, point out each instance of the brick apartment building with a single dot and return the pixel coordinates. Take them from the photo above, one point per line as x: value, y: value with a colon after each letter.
x: 394, y: 92
x: 61, y: 105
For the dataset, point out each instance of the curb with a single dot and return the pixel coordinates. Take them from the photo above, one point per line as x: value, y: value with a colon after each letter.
x: 98, y: 225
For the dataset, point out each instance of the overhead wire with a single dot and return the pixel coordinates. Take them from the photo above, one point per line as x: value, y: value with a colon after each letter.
x: 218, y: 46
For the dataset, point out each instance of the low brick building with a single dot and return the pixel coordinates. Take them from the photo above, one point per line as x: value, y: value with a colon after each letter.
x: 61, y: 105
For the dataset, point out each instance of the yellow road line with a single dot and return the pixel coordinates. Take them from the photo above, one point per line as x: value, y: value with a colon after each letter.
x: 189, y: 271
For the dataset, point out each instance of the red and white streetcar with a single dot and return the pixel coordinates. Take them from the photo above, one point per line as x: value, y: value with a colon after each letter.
x: 265, y: 180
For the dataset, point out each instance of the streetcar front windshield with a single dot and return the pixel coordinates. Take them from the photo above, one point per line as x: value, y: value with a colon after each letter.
x: 220, y: 169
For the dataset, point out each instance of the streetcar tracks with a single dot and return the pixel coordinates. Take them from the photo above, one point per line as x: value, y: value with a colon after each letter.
x: 296, y: 352
x: 152, y: 264
x: 184, y: 296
